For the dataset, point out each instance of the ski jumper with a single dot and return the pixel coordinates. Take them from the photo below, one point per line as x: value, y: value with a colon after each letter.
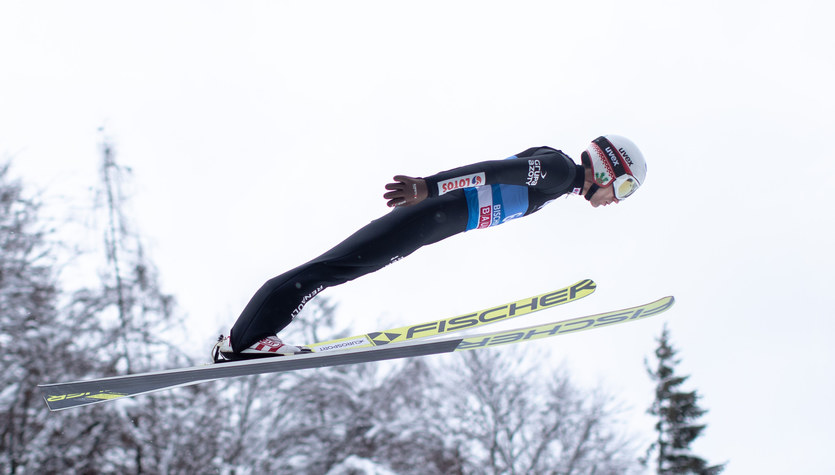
x: 471, y: 197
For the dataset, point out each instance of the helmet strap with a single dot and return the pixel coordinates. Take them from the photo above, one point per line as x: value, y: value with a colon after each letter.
x: 592, y: 189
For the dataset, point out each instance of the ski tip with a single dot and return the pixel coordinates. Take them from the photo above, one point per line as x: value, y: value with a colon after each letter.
x: 57, y: 402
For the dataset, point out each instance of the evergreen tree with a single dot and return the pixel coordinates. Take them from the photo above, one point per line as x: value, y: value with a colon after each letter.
x: 139, y: 316
x: 678, y: 414
x: 136, y: 330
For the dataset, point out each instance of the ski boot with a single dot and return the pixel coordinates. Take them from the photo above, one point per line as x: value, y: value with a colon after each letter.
x: 265, y: 347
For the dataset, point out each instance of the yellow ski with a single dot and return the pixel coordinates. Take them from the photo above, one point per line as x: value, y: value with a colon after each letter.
x: 467, y: 321
x: 61, y: 396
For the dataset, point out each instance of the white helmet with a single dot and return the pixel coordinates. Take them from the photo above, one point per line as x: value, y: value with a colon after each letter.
x: 615, y: 160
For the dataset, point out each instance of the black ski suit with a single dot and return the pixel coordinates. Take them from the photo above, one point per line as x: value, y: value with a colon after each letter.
x: 471, y: 197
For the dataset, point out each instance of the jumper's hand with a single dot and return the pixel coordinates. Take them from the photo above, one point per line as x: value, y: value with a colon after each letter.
x: 406, y: 191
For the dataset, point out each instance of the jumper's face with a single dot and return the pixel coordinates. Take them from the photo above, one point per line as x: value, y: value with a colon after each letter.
x: 604, y: 196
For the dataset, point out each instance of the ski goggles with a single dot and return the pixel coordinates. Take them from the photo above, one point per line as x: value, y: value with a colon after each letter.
x: 624, y: 186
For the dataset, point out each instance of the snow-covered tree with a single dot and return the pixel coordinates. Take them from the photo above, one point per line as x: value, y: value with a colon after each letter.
x: 512, y: 420
x: 123, y: 325
x: 135, y: 313
x: 329, y: 419
x: 133, y: 328
x: 34, y: 338
x: 678, y: 413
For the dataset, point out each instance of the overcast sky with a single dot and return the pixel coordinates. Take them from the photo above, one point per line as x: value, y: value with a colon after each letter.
x: 262, y: 133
